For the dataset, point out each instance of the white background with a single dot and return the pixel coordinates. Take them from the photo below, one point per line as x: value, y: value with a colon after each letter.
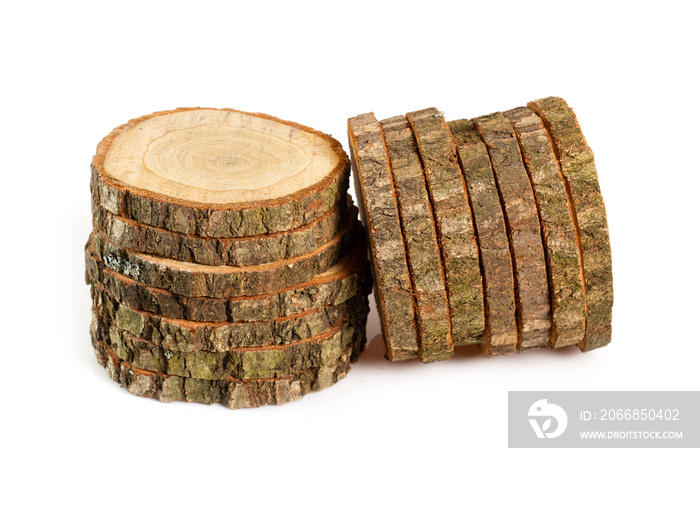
x: 389, y: 432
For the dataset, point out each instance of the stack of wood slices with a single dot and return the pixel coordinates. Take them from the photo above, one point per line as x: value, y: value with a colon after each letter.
x: 227, y: 263
x: 489, y: 231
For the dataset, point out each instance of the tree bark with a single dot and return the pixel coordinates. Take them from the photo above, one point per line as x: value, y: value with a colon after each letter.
x: 231, y: 392
x: 377, y: 199
x: 351, y: 276
x: 420, y: 239
x: 143, y: 171
x: 578, y: 167
x: 239, y: 251
x: 453, y: 218
x: 523, y: 226
x: 565, y: 273
x: 501, y: 332
x: 196, y: 280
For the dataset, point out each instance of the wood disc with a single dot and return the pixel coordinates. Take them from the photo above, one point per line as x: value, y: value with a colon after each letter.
x: 453, y: 217
x: 377, y: 200
x: 218, y: 172
x: 420, y: 237
x: 578, y: 167
x: 242, y: 363
x: 188, y: 336
x: 501, y: 332
x: 237, y: 251
x: 350, y: 276
x: 524, y: 231
x: 564, y: 269
x: 231, y: 392
x: 197, y: 280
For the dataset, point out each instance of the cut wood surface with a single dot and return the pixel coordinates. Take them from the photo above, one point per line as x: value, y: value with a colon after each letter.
x: 564, y: 268
x: 218, y: 172
x: 523, y: 226
x: 379, y: 210
x: 186, y: 278
x: 243, y: 363
x: 239, y: 251
x: 578, y: 167
x: 420, y: 236
x: 188, y: 336
x: 341, y: 282
x: 455, y: 228
x: 231, y: 392
x: 501, y: 333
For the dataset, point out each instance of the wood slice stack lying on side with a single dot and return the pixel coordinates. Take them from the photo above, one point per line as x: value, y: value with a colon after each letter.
x: 227, y: 263
x: 489, y: 231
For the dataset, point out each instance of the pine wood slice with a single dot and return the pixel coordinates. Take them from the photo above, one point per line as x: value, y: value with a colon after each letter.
x: 501, y: 332
x: 420, y: 236
x: 218, y: 172
x: 578, y: 167
x: 523, y: 227
x: 453, y: 217
x: 231, y: 392
x: 196, y: 280
x: 564, y: 267
x: 240, y: 251
x: 379, y: 211
x: 350, y: 276
x: 187, y: 336
x: 243, y: 363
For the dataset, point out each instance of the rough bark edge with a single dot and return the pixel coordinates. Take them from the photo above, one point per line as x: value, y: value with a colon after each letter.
x: 529, y: 263
x: 222, y: 281
x: 578, y: 167
x: 237, y: 252
x: 556, y: 213
x: 219, y: 220
x: 186, y: 336
x: 498, y: 286
x: 453, y: 217
x: 379, y: 212
x: 324, y: 289
x: 232, y: 393
x: 242, y: 363
x: 419, y: 235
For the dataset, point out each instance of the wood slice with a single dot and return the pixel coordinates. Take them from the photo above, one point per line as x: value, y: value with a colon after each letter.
x: 187, y: 336
x: 231, y: 392
x: 239, y: 251
x: 578, y: 167
x: 377, y: 201
x: 218, y: 172
x: 564, y: 267
x: 422, y: 250
x: 523, y: 226
x: 501, y: 332
x: 454, y: 222
x: 242, y: 363
x: 196, y: 280
x: 350, y: 276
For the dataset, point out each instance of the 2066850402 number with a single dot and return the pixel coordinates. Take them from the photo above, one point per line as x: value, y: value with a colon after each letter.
x: 639, y: 414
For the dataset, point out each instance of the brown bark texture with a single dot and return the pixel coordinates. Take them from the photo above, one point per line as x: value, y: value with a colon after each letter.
x: 455, y: 228
x: 420, y: 238
x: 501, y: 333
x: 379, y: 210
x: 523, y: 226
x: 578, y: 167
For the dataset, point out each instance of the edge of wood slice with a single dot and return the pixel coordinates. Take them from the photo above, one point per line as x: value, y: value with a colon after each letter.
x: 578, y: 167
x: 453, y: 217
x: 379, y: 212
x: 420, y: 237
x: 229, y: 218
x: 501, y: 332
